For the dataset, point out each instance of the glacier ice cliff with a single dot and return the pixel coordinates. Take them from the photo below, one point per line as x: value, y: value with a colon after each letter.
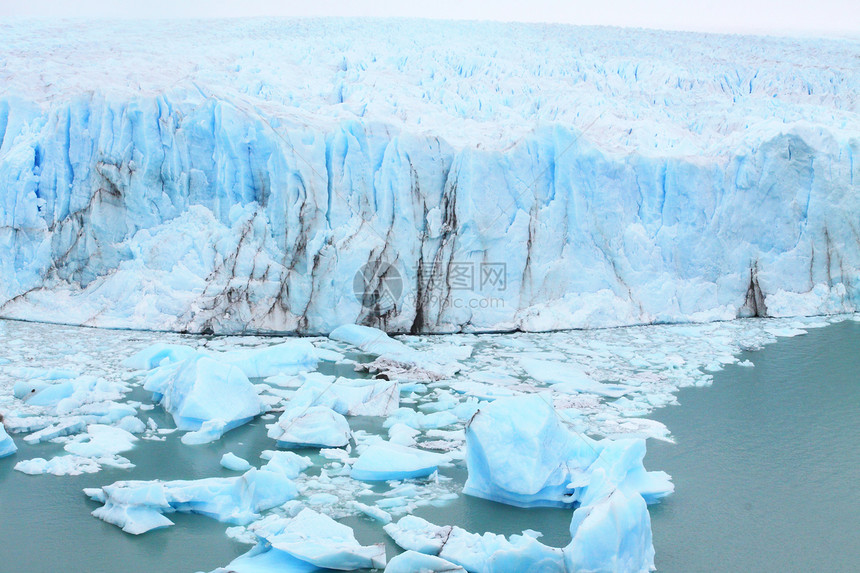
x: 235, y: 176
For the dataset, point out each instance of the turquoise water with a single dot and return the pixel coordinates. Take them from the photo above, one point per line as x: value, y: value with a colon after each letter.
x: 765, y: 466
x: 767, y: 462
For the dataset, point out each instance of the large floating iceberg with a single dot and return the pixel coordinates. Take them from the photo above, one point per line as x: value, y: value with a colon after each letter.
x: 248, y: 174
x: 519, y: 452
x: 201, y: 390
x: 306, y: 542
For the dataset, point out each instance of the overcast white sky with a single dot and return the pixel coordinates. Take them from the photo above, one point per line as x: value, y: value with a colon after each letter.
x: 825, y: 17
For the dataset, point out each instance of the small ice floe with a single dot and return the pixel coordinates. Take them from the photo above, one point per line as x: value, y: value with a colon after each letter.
x: 309, y: 538
x: 88, y: 452
x: 289, y: 464
x: 209, y: 431
x: 373, y: 512
x: 383, y: 461
x: 66, y: 465
x: 234, y: 463
x: 314, y: 426
x: 139, y: 506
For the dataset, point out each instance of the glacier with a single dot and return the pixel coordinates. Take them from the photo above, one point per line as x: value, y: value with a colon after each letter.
x: 235, y: 177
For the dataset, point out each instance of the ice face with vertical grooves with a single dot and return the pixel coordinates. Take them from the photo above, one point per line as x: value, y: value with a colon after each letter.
x: 235, y: 176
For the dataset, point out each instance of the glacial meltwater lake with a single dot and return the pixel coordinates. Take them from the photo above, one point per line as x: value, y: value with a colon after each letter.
x: 765, y: 464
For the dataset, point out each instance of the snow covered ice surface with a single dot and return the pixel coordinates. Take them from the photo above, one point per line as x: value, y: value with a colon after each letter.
x: 574, y: 444
x: 237, y: 175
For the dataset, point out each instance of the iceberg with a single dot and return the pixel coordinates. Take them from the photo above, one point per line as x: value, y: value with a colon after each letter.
x: 315, y: 427
x: 139, y: 506
x: 414, y: 562
x: 309, y: 538
x: 609, y: 536
x: 289, y: 464
x: 200, y: 389
x: 7, y: 444
x: 159, y: 354
x: 290, y: 357
x: 383, y: 461
x: 487, y: 553
x: 100, y: 440
x: 519, y: 452
x: 234, y: 463
x: 612, y: 535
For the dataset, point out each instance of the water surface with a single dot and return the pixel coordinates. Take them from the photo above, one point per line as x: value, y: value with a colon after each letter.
x: 765, y: 465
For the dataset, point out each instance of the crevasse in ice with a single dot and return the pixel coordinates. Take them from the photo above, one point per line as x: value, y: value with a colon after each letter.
x: 239, y: 185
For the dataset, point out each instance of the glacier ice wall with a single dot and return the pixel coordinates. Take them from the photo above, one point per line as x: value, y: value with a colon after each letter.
x: 243, y: 193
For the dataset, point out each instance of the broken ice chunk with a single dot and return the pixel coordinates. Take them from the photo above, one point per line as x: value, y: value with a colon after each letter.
x: 316, y: 427
x: 318, y: 539
x: 135, y: 505
x: 519, y: 452
x: 414, y: 562
x: 383, y: 461
x: 350, y: 398
x: 7, y: 445
x: 233, y: 462
x: 201, y: 389
x: 210, y: 431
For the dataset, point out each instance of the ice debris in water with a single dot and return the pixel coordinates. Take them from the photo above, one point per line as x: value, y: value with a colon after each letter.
x: 139, y: 506
x: 393, y: 358
x: 310, y: 538
x: 349, y: 397
x: 315, y: 426
x: 98, y: 446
